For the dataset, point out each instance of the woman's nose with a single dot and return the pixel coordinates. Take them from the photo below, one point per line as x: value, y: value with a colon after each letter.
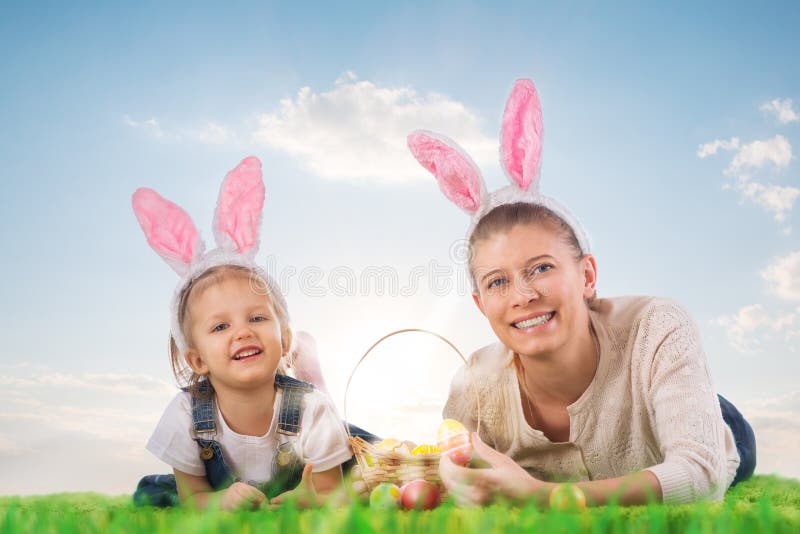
x: 523, y: 292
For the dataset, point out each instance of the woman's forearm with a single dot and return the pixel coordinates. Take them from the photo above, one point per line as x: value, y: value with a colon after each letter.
x: 641, y: 487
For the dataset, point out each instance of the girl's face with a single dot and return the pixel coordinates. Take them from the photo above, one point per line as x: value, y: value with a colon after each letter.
x: 236, y: 336
x: 531, y: 288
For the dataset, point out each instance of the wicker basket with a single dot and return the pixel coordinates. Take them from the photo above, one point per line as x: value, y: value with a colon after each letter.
x: 379, y: 466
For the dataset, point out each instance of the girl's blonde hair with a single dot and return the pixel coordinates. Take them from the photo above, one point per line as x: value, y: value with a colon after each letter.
x: 260, y: 282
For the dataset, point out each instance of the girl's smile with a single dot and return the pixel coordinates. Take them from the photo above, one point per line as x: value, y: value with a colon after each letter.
x: 247, y: 353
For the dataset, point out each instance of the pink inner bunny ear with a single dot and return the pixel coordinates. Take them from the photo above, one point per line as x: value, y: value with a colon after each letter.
x: 241, y: 199
x: 521, y: 137
x: 168, y: 229
x: 458, y: 176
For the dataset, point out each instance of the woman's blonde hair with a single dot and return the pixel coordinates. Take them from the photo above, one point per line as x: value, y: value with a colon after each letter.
x: 506, y: 216
x: 260, y: 283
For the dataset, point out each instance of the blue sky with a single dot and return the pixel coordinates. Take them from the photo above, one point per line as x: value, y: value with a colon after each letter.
x: 98, y: 99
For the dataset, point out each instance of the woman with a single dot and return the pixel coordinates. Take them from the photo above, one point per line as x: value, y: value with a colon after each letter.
x: 613, y: 393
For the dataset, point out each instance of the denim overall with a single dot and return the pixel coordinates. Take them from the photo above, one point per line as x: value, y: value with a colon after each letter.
x: 161, y: 490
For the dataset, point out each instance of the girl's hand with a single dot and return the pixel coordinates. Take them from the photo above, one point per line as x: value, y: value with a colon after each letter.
x: 503, y: 478
x: 304, y: 495
x: 241, y: 496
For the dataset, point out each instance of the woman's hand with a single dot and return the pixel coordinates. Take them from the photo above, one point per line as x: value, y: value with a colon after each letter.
x: 503, y: 478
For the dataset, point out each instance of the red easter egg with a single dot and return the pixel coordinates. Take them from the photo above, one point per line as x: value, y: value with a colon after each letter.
x: 420, y: 495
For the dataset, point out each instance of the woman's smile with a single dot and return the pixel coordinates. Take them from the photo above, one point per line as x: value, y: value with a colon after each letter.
x: 533, y: 320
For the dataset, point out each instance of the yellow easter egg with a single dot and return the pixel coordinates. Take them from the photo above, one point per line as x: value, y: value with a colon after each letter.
x: 393, y: 445
x: 425, y: 449
x: 567, y: 497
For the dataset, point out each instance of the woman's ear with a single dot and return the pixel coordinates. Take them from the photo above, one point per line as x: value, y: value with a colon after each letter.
x: 195, y: 361
x: 589, y: 266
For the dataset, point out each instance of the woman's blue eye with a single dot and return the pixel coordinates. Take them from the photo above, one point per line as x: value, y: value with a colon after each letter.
x: 496, y: 283
x: 220, y: 327
x: 540, y: 269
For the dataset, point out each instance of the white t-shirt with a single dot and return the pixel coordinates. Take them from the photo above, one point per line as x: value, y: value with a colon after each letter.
x: 322, y: 440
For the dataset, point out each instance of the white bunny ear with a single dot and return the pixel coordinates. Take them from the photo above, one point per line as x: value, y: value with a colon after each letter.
x: 521, y: 136
x: 458, y: 176
x: 238, y: 217
x: 169, y: 230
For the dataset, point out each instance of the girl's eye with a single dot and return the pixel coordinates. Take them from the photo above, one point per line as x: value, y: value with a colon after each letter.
x: 220, y: 327
x: 258, y: 318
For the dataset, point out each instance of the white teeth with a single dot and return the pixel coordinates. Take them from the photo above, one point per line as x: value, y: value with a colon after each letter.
x: 536, y: 321
x: 246, y: 354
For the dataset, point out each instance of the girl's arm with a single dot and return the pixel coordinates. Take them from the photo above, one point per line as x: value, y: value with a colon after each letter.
x: 313, y: 488
x: 506, y: 479
x: 197, y: 492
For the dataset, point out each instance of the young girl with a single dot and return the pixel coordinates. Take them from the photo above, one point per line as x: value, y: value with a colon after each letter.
x: 612, y: 393
x: 241, y: 430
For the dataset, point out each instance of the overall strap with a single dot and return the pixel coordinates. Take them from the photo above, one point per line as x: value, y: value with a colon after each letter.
x: 287, y: 465
x: 291, y: 404
x: 204, y: 413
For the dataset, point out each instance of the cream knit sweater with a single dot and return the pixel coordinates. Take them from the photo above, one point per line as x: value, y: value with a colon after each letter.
x: 651, y: 405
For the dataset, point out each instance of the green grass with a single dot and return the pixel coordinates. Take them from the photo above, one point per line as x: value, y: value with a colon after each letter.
x: 762, y: 504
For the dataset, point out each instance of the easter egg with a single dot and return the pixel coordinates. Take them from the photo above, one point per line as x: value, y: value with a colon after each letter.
x: 567, y: 497
x: 420, y: 495
x: 453, y: 440
x: 425, y: 449
x: 385, y: 496
x: 393, y: 445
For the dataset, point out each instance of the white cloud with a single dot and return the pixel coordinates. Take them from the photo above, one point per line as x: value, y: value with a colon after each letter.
x: 126, y: 384
x: 777, y: 151
x: 150, y: 126
x: 783, y: 276
x: 752, y: 326
x: 129, y: 384
x: 9, y: 447
x: 711, y: 148
x: 102, y: 419
x: 744, y: 329
x: 782, y: 109
x: 774, y: 153
x: 776, y: 425
x: 758, y: 154
x: 207, y: 133
x: 357, y: 131
x: 774, y: 198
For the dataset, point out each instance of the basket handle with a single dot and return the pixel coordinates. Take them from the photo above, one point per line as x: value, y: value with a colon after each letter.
x: 387, y: 336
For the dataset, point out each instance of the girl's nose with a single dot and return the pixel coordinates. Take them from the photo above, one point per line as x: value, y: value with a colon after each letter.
x: 243, y: 332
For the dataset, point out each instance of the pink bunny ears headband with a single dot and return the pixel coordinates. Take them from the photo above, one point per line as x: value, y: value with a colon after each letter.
x: 520, y: 155
x: 171, y: 233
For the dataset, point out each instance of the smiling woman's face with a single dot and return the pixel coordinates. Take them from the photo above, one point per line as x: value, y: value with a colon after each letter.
x: 532, y: 289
